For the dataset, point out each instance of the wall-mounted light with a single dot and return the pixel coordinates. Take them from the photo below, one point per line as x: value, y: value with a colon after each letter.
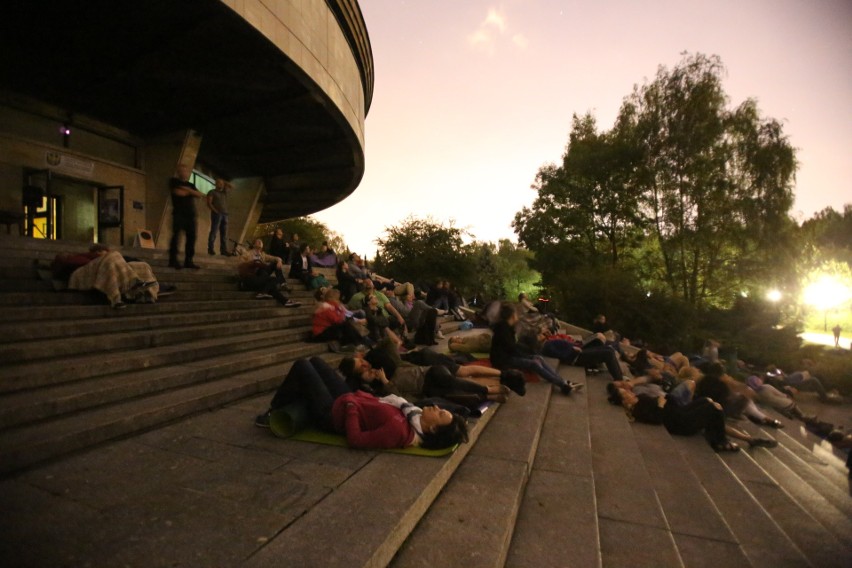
x: 65, y: 131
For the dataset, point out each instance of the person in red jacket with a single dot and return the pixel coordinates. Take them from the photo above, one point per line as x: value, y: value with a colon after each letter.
x: 366, y: 421
x: 332, y: 322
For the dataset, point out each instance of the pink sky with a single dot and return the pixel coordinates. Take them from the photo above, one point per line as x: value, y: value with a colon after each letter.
x: 472, y: 97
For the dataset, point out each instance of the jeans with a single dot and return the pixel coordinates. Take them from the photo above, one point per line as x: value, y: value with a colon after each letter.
x: 316, y: 382
x: 537, y: 365
x: 218, y: 223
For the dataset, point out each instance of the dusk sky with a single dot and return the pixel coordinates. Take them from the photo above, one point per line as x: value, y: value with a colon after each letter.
x: 472, y: 97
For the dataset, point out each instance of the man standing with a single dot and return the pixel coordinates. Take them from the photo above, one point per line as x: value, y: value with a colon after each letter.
x: 836, y: 330
x: 183, y: 216
x: 217, y: 201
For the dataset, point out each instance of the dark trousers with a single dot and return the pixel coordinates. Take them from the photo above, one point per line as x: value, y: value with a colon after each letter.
x: 345, y: 333
x: 316, y: 382
x: 439, y: 381
x: 266, y: 280
x: 218, y: 224
x: 594, y: 356
x: 689, y: 419
x: 183, y: 223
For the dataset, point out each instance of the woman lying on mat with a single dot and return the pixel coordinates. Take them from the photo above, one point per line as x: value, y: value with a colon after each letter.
x: 366, y: 421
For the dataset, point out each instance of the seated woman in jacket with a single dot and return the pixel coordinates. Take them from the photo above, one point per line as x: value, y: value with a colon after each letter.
x: 333, y: 322
x: 505, y: 354
x: 106, y: 271
x: 366, y: 421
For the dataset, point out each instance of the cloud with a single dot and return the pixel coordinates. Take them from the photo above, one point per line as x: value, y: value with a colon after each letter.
x: 496, y: 19
x: 489, y: 32
x: 520, y: 40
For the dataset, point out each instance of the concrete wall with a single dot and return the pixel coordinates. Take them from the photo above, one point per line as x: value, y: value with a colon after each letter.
x: 309, y: 34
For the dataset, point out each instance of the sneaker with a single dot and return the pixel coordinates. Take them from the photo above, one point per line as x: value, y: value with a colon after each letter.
x: 439, y: 335
x: 191, y: 265
x: 576, y: 386
x: 566, y: 389
x: 292, y: 304
x: 119, y: 306
x: 211, y: 252
x: 262, y: 296
x: 262, y: 420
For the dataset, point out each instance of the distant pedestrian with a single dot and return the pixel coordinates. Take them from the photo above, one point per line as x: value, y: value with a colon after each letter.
x: 217, y: 201
x: 837, y: 329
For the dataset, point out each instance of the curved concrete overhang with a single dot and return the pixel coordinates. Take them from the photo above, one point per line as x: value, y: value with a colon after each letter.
x: 277, y: 89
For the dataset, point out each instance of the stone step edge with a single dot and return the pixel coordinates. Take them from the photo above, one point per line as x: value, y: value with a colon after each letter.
x: 89, y: 394
x: 512, y: 461
x: 48, y: 441
x: 41, y: 375
x: 143, y: 339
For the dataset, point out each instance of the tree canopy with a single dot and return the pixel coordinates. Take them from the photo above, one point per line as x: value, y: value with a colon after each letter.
x: 683, y: 191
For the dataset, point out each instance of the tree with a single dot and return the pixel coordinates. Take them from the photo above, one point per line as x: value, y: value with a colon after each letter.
x: 716, y: 183
x: 309, y: 230
x: 586, y: 210
x: 423, y: 250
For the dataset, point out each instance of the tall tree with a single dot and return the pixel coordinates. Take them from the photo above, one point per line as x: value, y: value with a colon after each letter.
x: 586, y: 209
x: 423, y: 250
x: 717, y: 183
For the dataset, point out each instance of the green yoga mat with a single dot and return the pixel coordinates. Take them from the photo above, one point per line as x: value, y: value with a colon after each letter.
x: 293, y: 422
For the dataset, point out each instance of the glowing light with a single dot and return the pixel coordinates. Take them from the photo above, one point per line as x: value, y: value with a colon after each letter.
x: 826, y: 293
x: 774, y: 295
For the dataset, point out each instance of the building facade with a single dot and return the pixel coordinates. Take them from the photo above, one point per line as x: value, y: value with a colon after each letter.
x: 100, y: 101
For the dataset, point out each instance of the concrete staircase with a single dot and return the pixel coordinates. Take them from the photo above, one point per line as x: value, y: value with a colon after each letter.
x: 76, y: 372
x: 546, y: 480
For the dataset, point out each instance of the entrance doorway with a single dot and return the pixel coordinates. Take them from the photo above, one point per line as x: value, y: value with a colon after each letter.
x: 60, y: 207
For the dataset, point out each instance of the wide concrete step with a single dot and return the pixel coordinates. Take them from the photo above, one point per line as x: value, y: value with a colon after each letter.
x: 388, y: 496
x: 50, y: 402
x: 70, y: 297
x: 56, y: 349
x: 484, y: 495
x: 38, y: 374
x: 29, y: 445
x: 142, y: 319
x: 557, y: 524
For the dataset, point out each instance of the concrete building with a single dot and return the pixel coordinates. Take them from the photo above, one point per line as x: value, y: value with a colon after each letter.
x: 100, y: 100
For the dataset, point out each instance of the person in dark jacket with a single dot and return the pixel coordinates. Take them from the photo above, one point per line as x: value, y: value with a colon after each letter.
x: 505, y: 354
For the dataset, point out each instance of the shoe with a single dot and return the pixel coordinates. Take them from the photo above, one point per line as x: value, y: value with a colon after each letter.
x: 262, y: 420
x: 191, y: 266
x: 225, y: 253
x: 726, y: 447
x: 175, y: 264
x: 119, y: 306
x: 514, y: 380
x: 774, y: 423
x: 285, y: 287
x: 262, y: 296
x: 211, y: 252
x: 566, y: 389
x: 762, y: 443
x: 576, y: 386
x: 292, y: 304
x: 439, y: 335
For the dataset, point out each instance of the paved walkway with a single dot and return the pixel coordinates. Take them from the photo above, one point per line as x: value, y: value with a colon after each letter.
x: 827, y: 339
